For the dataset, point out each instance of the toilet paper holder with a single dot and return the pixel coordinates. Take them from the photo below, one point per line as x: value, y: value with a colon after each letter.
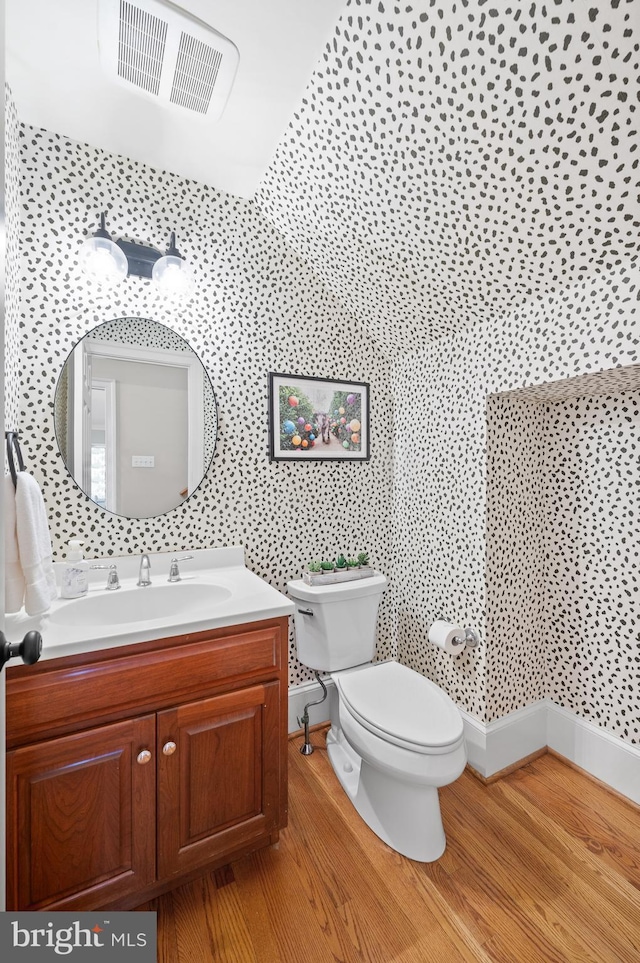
x: 451, y: 637
x: 470, y: 638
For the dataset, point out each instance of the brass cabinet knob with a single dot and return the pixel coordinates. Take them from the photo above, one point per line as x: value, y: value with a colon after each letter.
x: 169, y: 748
x: 143, y: 757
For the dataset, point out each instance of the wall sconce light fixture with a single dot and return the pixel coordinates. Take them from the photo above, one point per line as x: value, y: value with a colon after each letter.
x: 171, y: 273
x: 101, y: 258
x: 110, y: 261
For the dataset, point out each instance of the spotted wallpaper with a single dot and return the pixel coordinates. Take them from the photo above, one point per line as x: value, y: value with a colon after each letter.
x: 563, y: 563
x: 592, y: 507
x: 464, y: 177
x: 452, y: 159
x: 517, y: 539
x: 12, y: 284
x: 264, y: 311
x: 474, y: 539
x: 453, y: 216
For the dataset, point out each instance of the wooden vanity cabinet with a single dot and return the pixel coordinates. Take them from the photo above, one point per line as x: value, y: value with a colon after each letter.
x: 134, y: 769
x: 81, y: 818
x: 221, y: 790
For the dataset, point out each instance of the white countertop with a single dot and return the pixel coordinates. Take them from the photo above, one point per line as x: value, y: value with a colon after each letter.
x: 249, y: 599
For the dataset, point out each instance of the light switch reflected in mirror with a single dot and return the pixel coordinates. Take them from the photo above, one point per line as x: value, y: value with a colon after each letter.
x: 135, y: 417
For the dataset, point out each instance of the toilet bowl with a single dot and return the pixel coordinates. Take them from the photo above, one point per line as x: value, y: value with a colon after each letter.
x: 395, y: 737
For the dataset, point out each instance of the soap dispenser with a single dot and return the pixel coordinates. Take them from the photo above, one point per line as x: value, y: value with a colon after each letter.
x: 75, y: 576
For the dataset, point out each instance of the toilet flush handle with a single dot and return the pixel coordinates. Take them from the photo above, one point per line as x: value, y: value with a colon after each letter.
x: 305, y: 611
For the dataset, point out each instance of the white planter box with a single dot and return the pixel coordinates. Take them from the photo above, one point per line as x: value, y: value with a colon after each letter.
x: 345, y: 575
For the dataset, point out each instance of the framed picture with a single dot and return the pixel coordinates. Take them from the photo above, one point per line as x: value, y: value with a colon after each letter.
x: 315, y: 419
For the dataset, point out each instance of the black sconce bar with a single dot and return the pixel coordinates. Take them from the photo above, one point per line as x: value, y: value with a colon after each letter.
x: 140, y: 258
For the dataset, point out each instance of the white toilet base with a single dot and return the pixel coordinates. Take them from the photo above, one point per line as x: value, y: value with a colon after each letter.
x: 406, y: 816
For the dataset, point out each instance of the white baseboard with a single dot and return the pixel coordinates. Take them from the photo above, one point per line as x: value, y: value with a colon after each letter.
x: 498, y: 745
x: 493, y: 747
x: 594, y: 749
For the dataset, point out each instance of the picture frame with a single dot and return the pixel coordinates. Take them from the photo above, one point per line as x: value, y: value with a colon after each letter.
x: 318, y: 419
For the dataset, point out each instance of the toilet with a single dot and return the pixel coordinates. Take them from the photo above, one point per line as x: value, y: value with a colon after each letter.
x: 396, y: 736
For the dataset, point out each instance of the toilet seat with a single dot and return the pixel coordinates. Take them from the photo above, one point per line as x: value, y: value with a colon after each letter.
x: 402, y: 707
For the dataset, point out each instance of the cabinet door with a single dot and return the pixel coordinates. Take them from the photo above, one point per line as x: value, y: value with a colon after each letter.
x: 218, y: 789
x: 81, y: 817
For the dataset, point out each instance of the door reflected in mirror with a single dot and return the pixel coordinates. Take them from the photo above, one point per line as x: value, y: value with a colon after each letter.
x: 135, y: 417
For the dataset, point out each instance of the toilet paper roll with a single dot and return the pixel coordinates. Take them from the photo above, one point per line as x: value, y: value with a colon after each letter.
x: 447, y: 636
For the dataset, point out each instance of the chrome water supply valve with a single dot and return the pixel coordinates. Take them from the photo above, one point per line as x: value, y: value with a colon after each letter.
x: 306, y: 748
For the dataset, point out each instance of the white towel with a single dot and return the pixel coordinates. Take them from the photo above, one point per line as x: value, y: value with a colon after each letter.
x: 13, y: 574
x: 34, y: 545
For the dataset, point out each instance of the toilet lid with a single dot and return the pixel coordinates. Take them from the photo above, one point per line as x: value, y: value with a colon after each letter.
x: 396, y: 702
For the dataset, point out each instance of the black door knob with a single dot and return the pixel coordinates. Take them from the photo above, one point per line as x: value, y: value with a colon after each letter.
x: 29, y: 649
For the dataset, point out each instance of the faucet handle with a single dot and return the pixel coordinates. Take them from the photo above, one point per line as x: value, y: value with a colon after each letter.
x: 144, y: 578
x: 174, y: 571
x: 113, y: 582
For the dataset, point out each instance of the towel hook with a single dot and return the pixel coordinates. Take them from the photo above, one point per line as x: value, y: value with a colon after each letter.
x: 13, y: 448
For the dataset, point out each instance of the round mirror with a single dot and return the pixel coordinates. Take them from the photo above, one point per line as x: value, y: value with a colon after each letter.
x: 135, y: 417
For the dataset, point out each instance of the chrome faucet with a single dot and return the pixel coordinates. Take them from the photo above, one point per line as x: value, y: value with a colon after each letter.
x: 174, y: 571
x: 145, y: 565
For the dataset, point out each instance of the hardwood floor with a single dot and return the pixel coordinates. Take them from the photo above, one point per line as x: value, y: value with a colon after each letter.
x: 542, y: 866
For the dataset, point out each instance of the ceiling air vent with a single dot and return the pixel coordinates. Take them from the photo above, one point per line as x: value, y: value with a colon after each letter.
x: 156, y: 49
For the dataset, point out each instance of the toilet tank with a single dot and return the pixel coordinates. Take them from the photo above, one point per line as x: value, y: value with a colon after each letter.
x: 336, y: 624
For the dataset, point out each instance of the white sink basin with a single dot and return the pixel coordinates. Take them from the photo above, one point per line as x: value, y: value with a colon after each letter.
x: 217, y: 591
x: 137, y: 604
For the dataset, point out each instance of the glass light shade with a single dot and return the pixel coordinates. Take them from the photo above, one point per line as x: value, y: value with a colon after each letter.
x: 173, y: 276
x: 103, y: 260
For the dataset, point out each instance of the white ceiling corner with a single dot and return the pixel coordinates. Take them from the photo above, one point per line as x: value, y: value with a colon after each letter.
x: 54, y: 71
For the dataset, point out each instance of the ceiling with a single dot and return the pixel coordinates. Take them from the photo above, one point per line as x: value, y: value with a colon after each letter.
x: 57, y: 81
x: 445, y: 162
